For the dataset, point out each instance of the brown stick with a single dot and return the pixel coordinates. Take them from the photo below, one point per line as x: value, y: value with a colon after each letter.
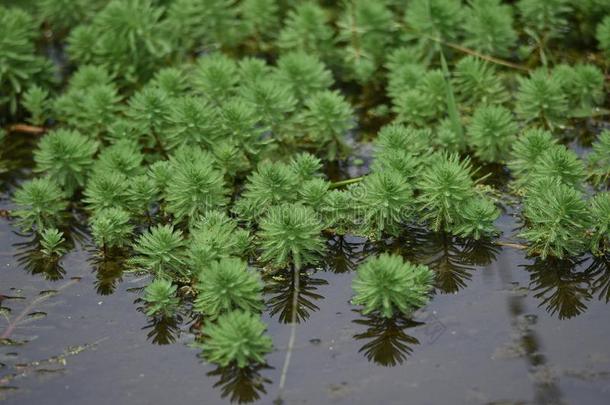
x: 27, y: 129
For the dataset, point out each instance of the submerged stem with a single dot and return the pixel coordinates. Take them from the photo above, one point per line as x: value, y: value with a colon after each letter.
x: 346, y: 182
x: 293, y: 330
x: 13, y: 324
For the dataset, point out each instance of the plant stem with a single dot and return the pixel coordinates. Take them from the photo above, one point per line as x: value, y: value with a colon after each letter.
x: 511, y: 244
x: 13, y: 324
x: 26, y: 129
x: 346, y: 182
x: 293, y: 330
x: 472, y: 52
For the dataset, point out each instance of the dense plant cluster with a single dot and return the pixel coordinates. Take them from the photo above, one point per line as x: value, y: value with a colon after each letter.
x: 199, y: 137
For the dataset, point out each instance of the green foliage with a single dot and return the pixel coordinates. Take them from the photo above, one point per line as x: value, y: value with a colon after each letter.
x: 478, y: 215
x: 327, y: 119
x: 51, y: 241
x: 541, y: 98
x: 201, y: 23
x: 111, y: 227
x: 306, y: 29
x: 556, y: 219
x: 444, y: 187
x: 215, y: 77
x: 127, y: 36
x: 106, y: 190
x: 270, y: 184
x: 290, y: 233
x: 122, y: 157
x: 160, y: 298
x: 304, y: 73
x: 20, y: 67
x: 62, y: 15
x: 236, y: 337
x: 39, y: 204
x: 366, y: 29
x: 491, y: 132
x: 603, y: 35
x: 527, y: 150
x: 388, y: 286
x: 160, y: 250
x: 89, y: 110
x: 65, y: 156
x: 489, y: 27
x: 476, y: 82
x: 215, y: 237
x: 583, y: 85
x: 195, y: 189
x: 599, y: 159
x: 36, y: 102
x: 547, y: 18
x: 385, y: 202
x: 306, y: 166
x: 599, y: 207
x: 436, y: 18
x: 423, y: 103
x: 227, y: 285
x: 559, y: 162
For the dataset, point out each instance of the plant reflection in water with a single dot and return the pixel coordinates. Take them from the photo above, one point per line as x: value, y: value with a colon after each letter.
x: 387, y: 342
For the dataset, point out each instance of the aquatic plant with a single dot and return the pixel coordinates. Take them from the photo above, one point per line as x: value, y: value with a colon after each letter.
x: 226, y: 285
x: 582, y: 83
x: 603, y: 35
x: 290, y: 233
x: 477, y: 218
x: 527, y: 149
x: 270, y: 184
x: 559, y: 162
x: 160, y: 298
x: 51, y: 241
x: 444, y: 186
x: 111, y: 227
x: 436, y: 18
x: 39, y: 204
x: 389, y: 286
x: 106, y: 189
x: 599, y: 207
x: 491, y: 132
x: 20, y: 66
x: 547, y: 18
x: 306, y: 29
x: 541, y: 98
x: 306, y: 74
x: 65, y: 156
x: 599, y: 159
x: 489, y: 27
x: 102, y: 41
x: 327, y: 118
x: 36, y: 101
x: 160, y: 250
x: 556, y: 219
x: 475, y: 81
x: 123, y: 157
x: 365, y: 32
x: 236, y: 337
x: 195, y: 189
x: 214, y: 237
x: 306, y: 166
x: 385, y: 203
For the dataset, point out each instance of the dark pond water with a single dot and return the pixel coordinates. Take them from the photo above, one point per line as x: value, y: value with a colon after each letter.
x: 500, y: 329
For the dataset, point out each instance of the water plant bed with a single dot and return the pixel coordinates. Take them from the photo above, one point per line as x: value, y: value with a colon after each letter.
x: 304, y: 202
